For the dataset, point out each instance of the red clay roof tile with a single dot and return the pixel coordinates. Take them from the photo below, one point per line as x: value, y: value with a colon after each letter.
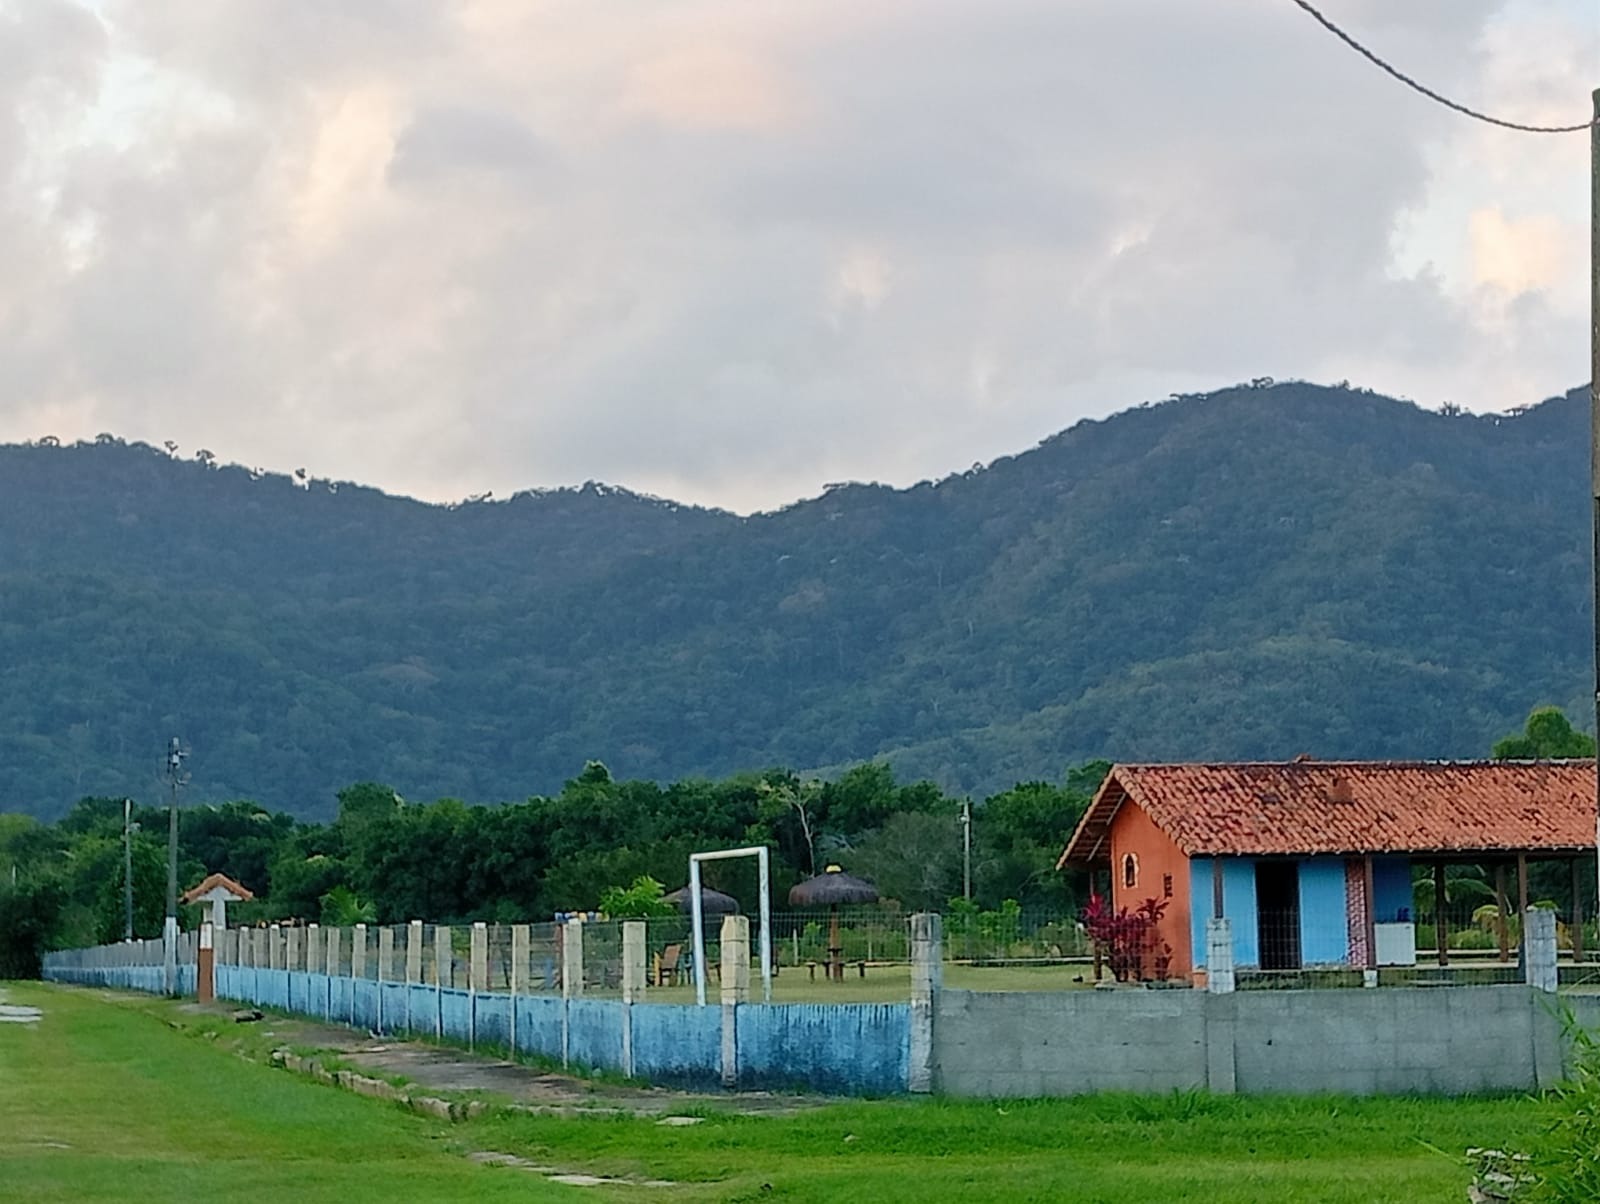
x: 1308, y: 807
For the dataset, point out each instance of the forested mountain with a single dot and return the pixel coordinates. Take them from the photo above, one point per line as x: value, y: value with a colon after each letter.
x: 1252, y: 573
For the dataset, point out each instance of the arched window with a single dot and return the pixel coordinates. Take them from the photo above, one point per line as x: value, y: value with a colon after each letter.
x: 1130, y: 871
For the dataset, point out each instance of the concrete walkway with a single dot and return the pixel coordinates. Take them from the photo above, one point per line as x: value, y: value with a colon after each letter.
x: 443, y: 1068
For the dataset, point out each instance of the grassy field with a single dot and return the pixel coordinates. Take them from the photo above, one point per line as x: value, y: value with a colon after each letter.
x: 104, y: 1100
x: 892, y: 983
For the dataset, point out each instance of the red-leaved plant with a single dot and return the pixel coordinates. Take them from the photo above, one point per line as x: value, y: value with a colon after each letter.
x: 1130, y: 941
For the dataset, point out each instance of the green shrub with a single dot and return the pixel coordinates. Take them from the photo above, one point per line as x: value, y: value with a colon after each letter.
x: 1566, y: 1165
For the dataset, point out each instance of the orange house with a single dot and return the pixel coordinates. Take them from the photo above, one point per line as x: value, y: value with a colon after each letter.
x: 1314, y: 861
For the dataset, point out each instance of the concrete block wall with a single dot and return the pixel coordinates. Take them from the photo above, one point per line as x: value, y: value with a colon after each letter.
x: 1444, y: 1041
x: 1039, y: 1043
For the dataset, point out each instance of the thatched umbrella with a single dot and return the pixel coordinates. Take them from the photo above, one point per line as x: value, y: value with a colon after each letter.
x: 830, y: 889
x: 712, y: 902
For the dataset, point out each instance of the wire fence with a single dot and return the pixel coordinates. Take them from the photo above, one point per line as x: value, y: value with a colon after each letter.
x: 865, y: 952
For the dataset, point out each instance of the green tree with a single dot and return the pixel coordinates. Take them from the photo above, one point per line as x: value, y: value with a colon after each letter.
x: 639, y: 900
x: 30, y: 920
x: 1548, y: 736
x: 342, y: 908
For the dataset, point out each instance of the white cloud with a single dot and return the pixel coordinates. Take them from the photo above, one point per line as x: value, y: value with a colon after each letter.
x: 729, y: 253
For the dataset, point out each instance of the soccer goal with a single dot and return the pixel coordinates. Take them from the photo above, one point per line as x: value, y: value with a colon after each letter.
x: 695, y: 911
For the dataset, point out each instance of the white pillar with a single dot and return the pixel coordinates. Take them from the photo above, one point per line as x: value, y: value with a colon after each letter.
x: 169, y: 955
x: 443, y: 957
x: 927, y: 979
x: 519, y: 959
x: 414, y: 952
x: 735, y: 959
x: 274, y: 947
x: 1539, y: 948
x: 333, y: 952
x: 291, y: 949
x: 386, y: 954
x: 479, y: 968
x: 1219, y: 956
x: 633, y: 961
x: 358, y: 952
x: 572, y: 958
x: 219, y: 913
x: 314, y: 954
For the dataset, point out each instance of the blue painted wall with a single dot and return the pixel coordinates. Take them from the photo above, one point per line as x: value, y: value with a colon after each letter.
x: 841, y: 1048
x: 493, y: 1021
x: 678, y: 1043
x: 594, y: 1033
x: 1238, y: 904
x: 1324, y: 927
x: 539, y: 1025
x: 844, y: 1048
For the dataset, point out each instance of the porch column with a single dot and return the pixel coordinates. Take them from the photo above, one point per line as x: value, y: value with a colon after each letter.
x: 1500, y: 917
x: 1370, y: 920
x: 1577, y: 910
x: 1441, y: 930
x: 1522, y: 884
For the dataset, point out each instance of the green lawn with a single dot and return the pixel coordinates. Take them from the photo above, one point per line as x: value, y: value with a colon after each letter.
x: 105, y: 1102
x: 151, y: 1113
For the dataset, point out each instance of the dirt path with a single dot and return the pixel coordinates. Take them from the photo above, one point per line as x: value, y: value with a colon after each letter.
x: 442, y: 1068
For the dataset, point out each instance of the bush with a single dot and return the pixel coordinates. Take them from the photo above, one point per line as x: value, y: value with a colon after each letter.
x: 1566, y: 1166
x: 30, y: 914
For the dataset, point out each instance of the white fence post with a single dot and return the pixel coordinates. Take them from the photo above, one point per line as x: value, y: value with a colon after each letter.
x: 927, y: 978
x: 1539, y: 948
x: 1219, y: 956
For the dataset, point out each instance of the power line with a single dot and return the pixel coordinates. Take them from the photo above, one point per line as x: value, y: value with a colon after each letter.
x: 1429, y: 92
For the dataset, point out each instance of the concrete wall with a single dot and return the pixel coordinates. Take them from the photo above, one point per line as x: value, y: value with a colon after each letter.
x: 839, y: 1048
x: 1441, y: 1040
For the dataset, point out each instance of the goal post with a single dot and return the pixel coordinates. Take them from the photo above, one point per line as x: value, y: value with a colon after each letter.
x: 761, y: 854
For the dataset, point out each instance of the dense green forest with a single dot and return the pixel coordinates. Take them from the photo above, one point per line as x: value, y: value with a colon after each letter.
x: 1254, y: 573
x: 447, y: 861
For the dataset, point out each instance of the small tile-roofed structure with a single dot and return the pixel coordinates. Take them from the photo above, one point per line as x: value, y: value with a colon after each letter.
x: 1316, y: 843
x: 218, y: 890
x: 1308, y: 807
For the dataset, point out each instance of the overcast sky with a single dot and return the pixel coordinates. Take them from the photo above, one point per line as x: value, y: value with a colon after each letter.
x: 727, y: 251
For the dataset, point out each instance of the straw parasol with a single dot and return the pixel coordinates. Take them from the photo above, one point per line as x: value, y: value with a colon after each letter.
x: 830, y: 889
x: 712, y: 902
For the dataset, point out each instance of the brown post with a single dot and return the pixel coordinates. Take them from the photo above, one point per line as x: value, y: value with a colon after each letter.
x: 1500, y: 911
x: 1577, y: 910
x: 1441, y: 930
x: 205, y: 987
x: 1372, y: 913
x: 1522, y: 884
x: 1216, y: 888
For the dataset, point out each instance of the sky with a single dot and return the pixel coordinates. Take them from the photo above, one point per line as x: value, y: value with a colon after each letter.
x: 729, y: 252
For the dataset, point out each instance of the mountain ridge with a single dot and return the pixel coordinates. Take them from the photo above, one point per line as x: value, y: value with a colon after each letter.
x: 1257, y: 571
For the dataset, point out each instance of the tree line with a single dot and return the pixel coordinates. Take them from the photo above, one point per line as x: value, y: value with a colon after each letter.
x: 387, y: 860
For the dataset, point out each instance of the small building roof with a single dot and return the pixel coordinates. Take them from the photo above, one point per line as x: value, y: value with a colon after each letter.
x: 213, y: 882
x: 1305, y: 807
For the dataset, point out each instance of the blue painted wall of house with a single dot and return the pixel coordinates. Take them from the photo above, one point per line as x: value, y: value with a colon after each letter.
x: 1324, y: 938
x: 1238, y: 904
x: 1324, y: 927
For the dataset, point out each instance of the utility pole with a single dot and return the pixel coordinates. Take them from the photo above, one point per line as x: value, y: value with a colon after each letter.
x: 1594, y: 430
x: 966, y: 849
x: 176, y: 778
x: 127, y: 869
